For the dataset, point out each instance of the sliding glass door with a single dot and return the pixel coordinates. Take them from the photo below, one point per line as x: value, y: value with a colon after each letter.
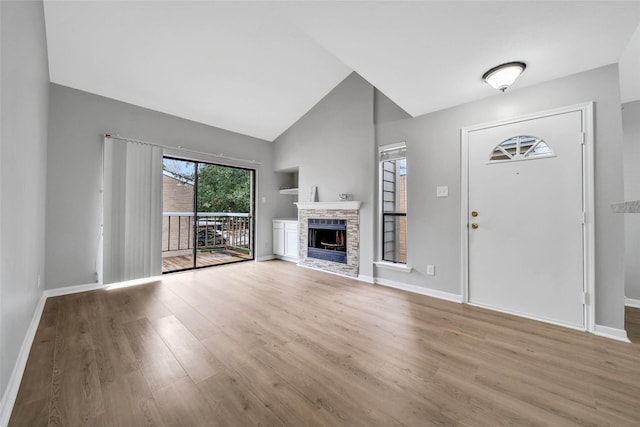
x: 207, y: 214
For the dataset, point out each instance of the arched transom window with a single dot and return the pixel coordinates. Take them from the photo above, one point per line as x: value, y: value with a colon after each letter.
x: 521, y: 147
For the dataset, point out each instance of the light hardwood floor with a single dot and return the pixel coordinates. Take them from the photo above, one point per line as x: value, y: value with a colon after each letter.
x: 274, y: 344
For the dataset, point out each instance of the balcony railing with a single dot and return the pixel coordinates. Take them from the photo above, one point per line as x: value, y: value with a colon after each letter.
x: 212, y: 230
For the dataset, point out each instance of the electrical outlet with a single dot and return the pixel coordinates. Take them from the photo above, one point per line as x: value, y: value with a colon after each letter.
x: 431, y: 270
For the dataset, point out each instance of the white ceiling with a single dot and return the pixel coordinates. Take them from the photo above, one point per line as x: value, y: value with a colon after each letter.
x: 257, y: 67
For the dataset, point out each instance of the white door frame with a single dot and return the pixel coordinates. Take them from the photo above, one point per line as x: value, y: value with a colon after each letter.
x: 586, y: 140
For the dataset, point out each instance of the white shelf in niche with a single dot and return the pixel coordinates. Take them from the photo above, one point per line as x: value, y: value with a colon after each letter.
x: 289, y: 191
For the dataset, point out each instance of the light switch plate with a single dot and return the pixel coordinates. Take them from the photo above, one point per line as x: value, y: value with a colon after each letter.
x: 442, y: 191
x: 431, y: 270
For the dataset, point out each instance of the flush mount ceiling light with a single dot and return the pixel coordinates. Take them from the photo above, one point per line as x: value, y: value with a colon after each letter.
x: 503, y: 76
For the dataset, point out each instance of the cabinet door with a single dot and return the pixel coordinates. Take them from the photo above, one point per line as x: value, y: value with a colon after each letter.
x: 278, y: 238
x: 291, y: 240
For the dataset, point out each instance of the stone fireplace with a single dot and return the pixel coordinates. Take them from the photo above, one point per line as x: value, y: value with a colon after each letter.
x: 329, y: 234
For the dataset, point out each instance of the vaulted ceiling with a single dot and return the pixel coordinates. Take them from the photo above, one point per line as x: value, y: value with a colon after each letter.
x: 256, y: 67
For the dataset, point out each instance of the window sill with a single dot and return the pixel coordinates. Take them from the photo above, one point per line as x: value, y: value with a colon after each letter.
x: 393, y: 266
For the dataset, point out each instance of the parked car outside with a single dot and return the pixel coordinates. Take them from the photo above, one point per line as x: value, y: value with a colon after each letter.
x: 209, y: 236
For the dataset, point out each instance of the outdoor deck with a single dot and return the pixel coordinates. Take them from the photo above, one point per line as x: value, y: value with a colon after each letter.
x: 204, y: 259
x: 220, y: 238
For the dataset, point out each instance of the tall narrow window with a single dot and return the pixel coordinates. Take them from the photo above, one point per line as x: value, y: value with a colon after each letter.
x: 393, y: 196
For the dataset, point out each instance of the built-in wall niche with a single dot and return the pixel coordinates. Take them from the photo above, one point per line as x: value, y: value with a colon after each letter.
x: 289, y: 183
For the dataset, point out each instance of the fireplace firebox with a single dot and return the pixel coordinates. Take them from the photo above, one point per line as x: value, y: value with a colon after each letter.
x: 327, y: 239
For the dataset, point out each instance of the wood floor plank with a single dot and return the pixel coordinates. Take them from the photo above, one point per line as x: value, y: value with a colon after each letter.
x: 183, y: 404
x: 240, y: 405
x: 32, y: 414
x: 76, y: 397
x: 157, y: 362
x: 325, y: 396
x: 196, y: 323
x: 289, y: 406
x: 128, y: 402
x: 273, y: 344
x: 114, y: 356
x: 194, y: 358
x: 171, y: 300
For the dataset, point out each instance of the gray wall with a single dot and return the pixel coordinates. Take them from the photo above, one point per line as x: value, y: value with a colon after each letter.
x: 333, y: 147
x: 631, y: 131
x: 23, y: 144
x: 77, y: 122
x: 433, y: 151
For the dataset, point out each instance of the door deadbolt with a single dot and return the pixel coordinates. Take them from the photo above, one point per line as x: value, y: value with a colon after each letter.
x: 474, y: 226
x: 474, y: 213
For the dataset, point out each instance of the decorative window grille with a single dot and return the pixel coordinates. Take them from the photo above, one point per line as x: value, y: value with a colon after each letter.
x: 521, y: 147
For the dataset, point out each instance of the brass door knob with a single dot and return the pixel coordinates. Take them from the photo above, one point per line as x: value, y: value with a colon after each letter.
x: 474, y: 213
x: 474, y: 226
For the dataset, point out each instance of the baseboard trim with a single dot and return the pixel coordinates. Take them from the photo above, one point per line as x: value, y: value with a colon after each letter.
x: 630, y: 302
x: 11, y: 392
x: 611, y: 333
x: 68, y: 290
x: 265, y: 258
x: 580, y: 328
x: 366, y: 279
x: 286, y: 258
x: 420, y: 290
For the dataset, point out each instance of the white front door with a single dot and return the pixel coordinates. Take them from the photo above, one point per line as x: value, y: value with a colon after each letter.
x: 525, y: 234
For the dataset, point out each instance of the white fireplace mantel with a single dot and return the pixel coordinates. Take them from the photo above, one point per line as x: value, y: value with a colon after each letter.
x: 347, y: 204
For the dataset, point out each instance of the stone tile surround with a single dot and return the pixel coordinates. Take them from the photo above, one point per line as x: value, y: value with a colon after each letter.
x: 351, y: 268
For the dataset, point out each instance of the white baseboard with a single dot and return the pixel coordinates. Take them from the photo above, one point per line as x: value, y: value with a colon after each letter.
x: 612, y: 333
x: 630, y: 302
x: 580, y: 328
x: 11, y: 392
x: 68, y: 290
x: 286, y: 258
x: 367, y: 279
x: 265, y: 258
x: 420, y: 290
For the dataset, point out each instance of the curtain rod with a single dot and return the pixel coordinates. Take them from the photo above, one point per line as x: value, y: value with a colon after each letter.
x: 179, y: 148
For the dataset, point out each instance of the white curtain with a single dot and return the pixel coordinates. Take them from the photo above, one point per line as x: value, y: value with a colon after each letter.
x: 132, y: 210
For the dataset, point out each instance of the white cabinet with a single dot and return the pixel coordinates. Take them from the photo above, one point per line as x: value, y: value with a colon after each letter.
x: 285, y: 239
x: 291, y: 240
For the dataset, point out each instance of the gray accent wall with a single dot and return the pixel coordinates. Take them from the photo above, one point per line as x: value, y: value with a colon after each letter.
x: 333, y: 148
x: 631, y: 131
x: 77, y: 122
x: 433, y: 159
x: 23, y: 146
